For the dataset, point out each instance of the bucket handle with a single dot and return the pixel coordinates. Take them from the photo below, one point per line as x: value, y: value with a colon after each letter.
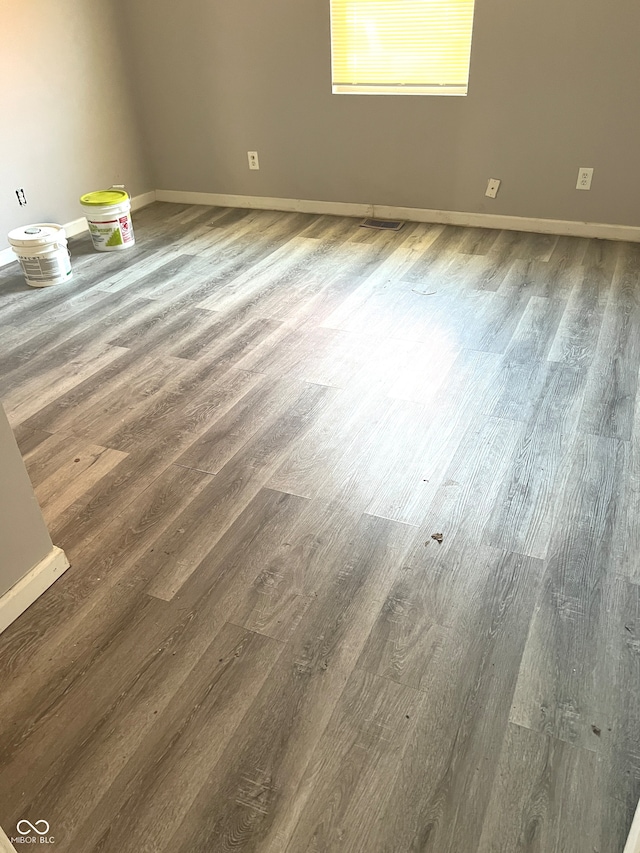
x: 64, y: 246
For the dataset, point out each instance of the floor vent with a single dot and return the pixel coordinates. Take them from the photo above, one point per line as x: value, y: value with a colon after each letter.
x: 382, y: 224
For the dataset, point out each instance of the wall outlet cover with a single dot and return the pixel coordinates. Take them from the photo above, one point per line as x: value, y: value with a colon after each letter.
x: 585, y: 176
x: 492, y: 187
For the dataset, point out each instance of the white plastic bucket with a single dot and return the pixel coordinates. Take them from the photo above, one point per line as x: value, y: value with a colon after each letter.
x: 42, y: 252
x: 108, y: 213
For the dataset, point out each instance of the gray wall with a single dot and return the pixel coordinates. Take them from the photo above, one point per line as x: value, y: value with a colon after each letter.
x: 24, y: 539
x: 68, y: 121
x: 554, y: 86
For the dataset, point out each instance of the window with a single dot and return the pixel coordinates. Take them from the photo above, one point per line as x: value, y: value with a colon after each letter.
x: 401, y: 47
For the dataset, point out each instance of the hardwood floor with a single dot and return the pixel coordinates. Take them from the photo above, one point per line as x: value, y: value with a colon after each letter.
x: 244, y: 433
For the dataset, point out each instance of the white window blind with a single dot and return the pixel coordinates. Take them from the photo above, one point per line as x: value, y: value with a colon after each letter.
x: 401, y: 47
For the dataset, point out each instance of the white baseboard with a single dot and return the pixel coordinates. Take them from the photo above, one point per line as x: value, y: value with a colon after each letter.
x: 143, y: 200
x: 561, y: 227
x: 6, y: 256
x: 297, y: 205
x: 31, y: 586
x: 78, y: 226
x: 600, y: 230
x: 633, y: 839
x: 5, y: 845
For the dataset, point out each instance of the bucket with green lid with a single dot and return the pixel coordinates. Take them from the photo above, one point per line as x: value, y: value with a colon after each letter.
x: 108, y: 213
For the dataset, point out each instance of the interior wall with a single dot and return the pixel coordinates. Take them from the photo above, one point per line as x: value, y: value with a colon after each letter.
x: 68, y: 121
x: 553, y: 87
x: 24, y: 539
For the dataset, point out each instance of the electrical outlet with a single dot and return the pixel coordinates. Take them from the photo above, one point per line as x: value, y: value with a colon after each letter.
x: 22, y: 199
x: 253, y: 159
x: 585, y: 176
x: 492, y: 187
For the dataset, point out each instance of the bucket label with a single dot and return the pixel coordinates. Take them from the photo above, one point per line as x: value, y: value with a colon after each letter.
x: 111, y: 234
x: 115, y: 239
x: 125, y: 229
x: 46, y: 268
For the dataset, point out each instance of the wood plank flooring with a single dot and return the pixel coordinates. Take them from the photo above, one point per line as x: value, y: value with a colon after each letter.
x: 244, y: 432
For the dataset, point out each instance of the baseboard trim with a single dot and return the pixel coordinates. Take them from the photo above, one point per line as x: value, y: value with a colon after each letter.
x: 560, y: 227
x: 5, y: 845
x: 76, y: 226
x: 143, y: 200
x: 79, y: 226
x: 22, y: 594
x: 633, y: 839
x: 6, y: 256
x: 293, y: 205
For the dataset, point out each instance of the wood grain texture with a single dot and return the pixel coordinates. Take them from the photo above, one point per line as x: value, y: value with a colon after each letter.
x: 560, y: 690
x: 468, y: 685
x: 251, y: 796
x: 577, y: 336
x: 79, y: 610
x: 524, y: 512
x: 545, y: 809
x: 246, y: 432
x: 197, y: 530
x: 613, y: 379
x: 346, y: 784
x: 172, y: 744
x: 412, y: 625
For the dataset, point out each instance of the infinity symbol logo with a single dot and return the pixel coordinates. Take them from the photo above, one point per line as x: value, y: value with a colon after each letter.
x: 32, y: 827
